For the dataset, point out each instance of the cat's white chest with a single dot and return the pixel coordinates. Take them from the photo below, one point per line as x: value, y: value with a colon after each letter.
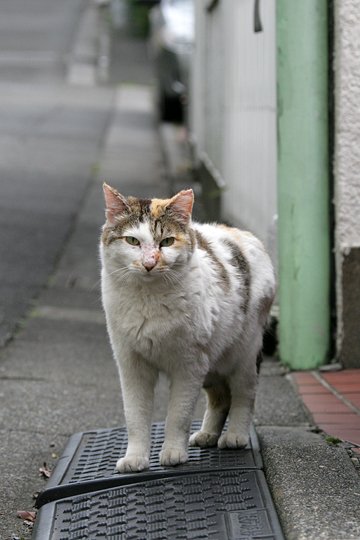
x: 152, y: 324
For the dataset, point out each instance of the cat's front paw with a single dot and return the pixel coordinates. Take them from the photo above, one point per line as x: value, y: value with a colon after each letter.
x: 203, y: 439
x: 233, y: 440
x: 132, y: 463
x: 172, y: 456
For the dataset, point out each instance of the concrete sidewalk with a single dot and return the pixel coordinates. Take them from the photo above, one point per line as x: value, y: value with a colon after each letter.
x: 58, y: 375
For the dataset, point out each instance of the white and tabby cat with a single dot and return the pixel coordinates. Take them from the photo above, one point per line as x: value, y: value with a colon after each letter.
x: 190, y: 300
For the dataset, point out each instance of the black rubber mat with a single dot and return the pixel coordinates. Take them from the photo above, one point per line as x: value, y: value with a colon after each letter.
x: 221, y: 505
x: 88, y: 462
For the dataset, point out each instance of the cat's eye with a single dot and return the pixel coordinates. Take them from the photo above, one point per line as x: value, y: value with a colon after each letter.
x: 132, y: 241
x: 167, y: 242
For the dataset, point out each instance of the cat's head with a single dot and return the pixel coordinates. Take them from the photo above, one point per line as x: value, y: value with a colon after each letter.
x: 146, y: 238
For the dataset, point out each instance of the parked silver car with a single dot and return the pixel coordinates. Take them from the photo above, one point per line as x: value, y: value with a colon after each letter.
x: 171, y: 47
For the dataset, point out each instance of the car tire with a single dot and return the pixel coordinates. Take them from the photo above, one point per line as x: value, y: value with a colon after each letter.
x: 170, y: 109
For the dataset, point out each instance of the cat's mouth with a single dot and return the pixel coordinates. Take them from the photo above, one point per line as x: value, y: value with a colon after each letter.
x: 155, y: 273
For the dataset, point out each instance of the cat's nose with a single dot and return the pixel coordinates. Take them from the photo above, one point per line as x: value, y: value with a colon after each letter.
x: 149, y: 265
x: 150, y: 257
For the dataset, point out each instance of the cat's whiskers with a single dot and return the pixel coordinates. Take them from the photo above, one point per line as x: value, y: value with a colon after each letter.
x: 120, y: 270
x: 97, y: 283
x: 171, y: 277
x: 166, y: 278
x: 121, y: 274
x: 122, y: 280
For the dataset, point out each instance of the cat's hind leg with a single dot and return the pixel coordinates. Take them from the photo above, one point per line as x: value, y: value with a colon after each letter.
x: 218, y: 404
x: 242, y: 383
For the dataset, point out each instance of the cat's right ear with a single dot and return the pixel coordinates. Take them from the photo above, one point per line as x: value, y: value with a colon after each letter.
x: 115, y: 204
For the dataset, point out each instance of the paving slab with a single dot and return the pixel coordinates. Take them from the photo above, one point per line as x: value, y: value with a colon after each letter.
x: 49, y: 139
x: 277, y: 402
x: 314, y: 484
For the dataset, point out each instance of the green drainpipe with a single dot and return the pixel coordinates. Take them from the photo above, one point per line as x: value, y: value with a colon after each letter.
x: 303, y: 178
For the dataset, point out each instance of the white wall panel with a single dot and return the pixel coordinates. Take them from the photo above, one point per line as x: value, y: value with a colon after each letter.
x: 234, y: 108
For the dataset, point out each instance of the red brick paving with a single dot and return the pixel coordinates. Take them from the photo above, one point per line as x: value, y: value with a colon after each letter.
x: 312, y: 389
x: 347, y: 385
x: 333, y: 399
x: 331, y: 418
x: 353, y: 398
x: 305, y: 378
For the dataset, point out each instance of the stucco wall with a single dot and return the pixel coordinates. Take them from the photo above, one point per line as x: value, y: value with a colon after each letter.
x: 347, y: 84
x: 347, y: 166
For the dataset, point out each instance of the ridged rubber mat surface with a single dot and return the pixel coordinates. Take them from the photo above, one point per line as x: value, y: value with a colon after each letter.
x: 222, y: 505
x: 88, y: 462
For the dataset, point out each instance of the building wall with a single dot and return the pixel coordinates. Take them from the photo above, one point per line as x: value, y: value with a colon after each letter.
x: 233, y: 118
x: 347, y: 178
x: 233, y: 124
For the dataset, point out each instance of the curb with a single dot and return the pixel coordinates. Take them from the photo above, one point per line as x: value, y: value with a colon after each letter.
x: 315, y: 486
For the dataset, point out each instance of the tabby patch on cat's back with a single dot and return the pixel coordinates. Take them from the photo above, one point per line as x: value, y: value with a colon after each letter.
x: 190, y: 300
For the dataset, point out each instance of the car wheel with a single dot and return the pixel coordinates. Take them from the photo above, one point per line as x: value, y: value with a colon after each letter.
x: 170, y: 109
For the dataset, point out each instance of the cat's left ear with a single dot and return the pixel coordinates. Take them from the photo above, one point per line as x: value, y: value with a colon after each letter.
x: 115, y: 204
x: 181, y: 204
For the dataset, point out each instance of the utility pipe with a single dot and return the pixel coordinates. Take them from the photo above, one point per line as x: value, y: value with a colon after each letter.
x: 303, y: 183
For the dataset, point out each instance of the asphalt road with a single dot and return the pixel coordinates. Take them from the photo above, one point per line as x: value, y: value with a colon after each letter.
x: 49, y: 137
x: 36, y: 37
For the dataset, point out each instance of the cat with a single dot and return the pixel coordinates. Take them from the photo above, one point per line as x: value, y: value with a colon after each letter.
x: 190, y: 300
